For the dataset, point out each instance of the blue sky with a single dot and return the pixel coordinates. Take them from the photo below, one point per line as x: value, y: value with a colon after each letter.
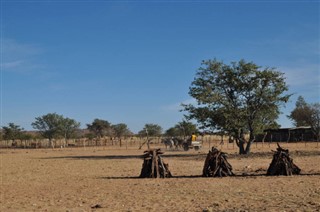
x: 133, y: 61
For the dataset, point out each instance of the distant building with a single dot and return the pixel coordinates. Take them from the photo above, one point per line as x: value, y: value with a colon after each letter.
x: 294, y: 134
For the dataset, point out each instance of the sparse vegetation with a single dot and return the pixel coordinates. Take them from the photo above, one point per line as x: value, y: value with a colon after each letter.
x: 305, y: 114
x: 53, y: 126
x: 237, y: 99
x: 81, y: 178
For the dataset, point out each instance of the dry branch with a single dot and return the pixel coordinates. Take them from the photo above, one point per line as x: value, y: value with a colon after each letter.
x: 216, y: 164
x: 153, y: 165
x: 282, y: 164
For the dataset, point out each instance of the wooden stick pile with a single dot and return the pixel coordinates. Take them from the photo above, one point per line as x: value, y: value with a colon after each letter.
x: 282, y: 164
x: 153, y: 165
x: 216, y: 164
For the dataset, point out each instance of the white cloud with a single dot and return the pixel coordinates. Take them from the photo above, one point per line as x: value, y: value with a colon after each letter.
x: 11, y: 47
x: 304, y: 75
x: 19, y: 57
x: 14, y: 64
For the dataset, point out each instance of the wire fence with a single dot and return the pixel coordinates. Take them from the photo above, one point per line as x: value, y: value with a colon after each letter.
x: 206, y: 141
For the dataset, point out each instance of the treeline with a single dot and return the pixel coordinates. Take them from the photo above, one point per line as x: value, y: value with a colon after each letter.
x: 52, y: 127
x: 240, y: 100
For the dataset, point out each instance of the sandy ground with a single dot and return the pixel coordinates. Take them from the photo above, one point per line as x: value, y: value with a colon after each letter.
x: 79, y: 179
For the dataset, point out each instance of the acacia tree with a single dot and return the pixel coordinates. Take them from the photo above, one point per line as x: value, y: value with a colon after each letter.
x: 186, y: 128
x: 152, y: 130
x: 120, y: 130
x: 53, y: 125
x: 305, y: 114
x: 183, y: 129
x: 173, y: 132
x: 12, y: 132
x: 100, y: 128
x: 237, y: 98
x: 301, y: 114
x: 68, y: 128
x: 49, y: 126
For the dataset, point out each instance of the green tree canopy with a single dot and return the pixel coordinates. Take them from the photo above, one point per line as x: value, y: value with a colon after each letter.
x: 100, y: 128
x: 301, y: 114
x: 186, y: 128
x: 237, y: 98
x: 53, y: 125
x: 69, y: 127
x: 305, y: 114
x: 49, y: 125
x: 151, y: 130
x: 182, y: 129
x: 173, y: 132
x: 121, y: 130
x: 12, y: 132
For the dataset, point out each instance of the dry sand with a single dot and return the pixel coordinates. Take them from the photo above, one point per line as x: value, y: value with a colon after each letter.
x: 77, y: 179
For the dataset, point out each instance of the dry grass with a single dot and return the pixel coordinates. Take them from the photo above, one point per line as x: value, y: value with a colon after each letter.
x: 80, y: 178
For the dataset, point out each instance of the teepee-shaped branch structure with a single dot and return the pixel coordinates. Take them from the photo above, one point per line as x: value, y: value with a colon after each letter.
x: 282, y: 164
x: 216, y: 164
x: 153, y: 165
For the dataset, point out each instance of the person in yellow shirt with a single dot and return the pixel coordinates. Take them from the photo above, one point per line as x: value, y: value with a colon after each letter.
x: 193, y: 137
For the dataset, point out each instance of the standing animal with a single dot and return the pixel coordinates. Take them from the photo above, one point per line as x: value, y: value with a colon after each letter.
x: 178, y: 142
x: 168, y: 142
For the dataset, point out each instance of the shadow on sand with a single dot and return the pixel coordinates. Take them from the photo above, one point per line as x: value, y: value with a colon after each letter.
x: 200, y: 176
x: 197, y: 156
x: 103, y: 157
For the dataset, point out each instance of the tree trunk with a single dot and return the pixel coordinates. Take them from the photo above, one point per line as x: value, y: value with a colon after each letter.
x: 241, y: 143
x: 51, y: 143
x: 248, y: 147
x: 148, y: 144
x: 251, y: 140
x: 241, y: 147
x: 65, y: 140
